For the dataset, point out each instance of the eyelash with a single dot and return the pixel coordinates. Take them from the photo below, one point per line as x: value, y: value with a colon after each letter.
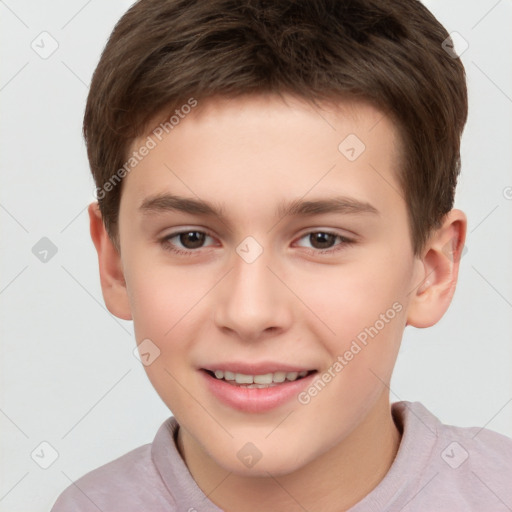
x: 168, y: 246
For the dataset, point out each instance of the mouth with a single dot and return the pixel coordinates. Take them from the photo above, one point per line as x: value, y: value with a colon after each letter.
x: 269, y: 387
x: 260, y: 381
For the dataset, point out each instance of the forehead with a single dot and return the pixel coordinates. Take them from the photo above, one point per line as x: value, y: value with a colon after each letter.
x: 254, y: 150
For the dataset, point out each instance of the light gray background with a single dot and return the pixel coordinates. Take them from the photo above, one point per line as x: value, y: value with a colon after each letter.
x: 68, y: 374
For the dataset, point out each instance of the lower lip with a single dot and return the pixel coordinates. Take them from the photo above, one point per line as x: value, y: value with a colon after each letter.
x: 256, y: 399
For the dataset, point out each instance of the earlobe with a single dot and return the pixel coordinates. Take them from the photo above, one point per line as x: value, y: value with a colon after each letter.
x: 439, y: 272
x: 113, y: 284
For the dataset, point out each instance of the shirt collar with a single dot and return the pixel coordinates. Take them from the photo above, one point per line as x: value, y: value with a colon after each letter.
x: 419, y: 433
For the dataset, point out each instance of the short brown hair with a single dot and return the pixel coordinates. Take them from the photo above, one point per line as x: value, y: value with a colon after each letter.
x: 161, y: 53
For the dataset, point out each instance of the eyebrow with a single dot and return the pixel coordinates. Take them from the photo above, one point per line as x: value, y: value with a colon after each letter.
x: 162, y: 203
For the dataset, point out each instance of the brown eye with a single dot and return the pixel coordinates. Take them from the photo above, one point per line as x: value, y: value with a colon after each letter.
x: 186, y: 243
x: 192, y: 239
x: 322, y: 240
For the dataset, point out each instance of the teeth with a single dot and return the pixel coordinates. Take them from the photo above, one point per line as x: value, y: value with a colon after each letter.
x: 240, y: 378
x: 259, y: 381
x: 279, y: 377
x: 263, y: 379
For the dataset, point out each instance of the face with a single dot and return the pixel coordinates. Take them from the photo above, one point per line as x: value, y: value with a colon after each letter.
x: 262, y: 241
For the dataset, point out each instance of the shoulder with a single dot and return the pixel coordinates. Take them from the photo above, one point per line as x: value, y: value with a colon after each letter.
x: 479, y: 453
x: 470, y: 466
x: 481, y: 442
x: 129, y: 483
x: 479, y: 447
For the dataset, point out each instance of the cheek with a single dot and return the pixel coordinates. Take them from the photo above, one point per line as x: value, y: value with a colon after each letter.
x: 367, y: 312
x: 168, y: 308
x: 163, y: 315
x: 162, y: 300
x: 355, y: 298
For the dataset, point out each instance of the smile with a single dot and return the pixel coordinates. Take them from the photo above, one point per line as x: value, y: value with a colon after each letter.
x: 256, y: 392
x: 257, y: 381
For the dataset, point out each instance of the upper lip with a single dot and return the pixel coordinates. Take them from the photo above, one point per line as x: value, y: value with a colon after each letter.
x: 261, y: 368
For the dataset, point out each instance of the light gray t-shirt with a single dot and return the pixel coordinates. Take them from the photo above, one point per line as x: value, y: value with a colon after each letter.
x: 438, y: 467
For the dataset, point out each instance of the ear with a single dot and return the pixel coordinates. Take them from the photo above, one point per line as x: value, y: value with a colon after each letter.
x: 440, y: 270
x: 112, y: 280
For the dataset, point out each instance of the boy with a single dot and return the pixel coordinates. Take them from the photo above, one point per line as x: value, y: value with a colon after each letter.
x: 312, y: 149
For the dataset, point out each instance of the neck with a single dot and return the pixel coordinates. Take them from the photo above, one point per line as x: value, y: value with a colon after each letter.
x: 333, y: 482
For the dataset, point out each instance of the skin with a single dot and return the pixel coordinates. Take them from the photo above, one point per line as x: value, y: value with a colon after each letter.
x: 293, y: 304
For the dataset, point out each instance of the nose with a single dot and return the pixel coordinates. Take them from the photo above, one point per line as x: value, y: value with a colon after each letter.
x: 253, y: 301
